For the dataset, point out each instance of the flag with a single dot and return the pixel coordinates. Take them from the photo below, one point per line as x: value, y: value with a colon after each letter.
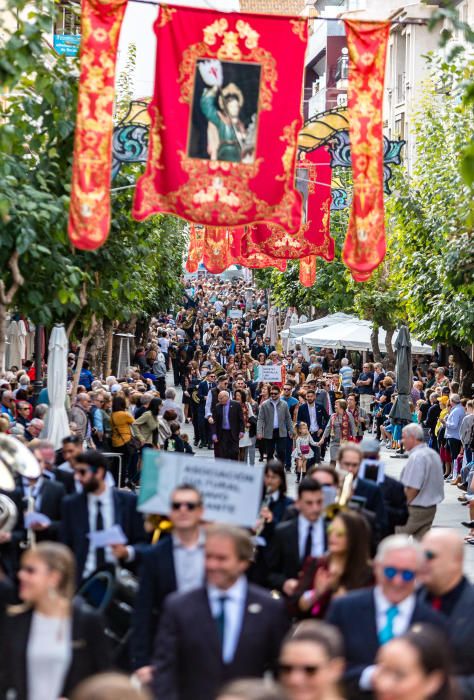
x: 308, y: 271
x: 226, y: 113
x: 89, y: 213
x: 364, y: 247
x: 196, y: 246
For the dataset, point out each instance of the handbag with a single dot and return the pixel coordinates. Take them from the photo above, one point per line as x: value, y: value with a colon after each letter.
x: 245, y: 441
x: 304, y: 449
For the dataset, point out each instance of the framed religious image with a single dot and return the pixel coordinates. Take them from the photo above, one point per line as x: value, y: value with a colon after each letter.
x: 224, y: 111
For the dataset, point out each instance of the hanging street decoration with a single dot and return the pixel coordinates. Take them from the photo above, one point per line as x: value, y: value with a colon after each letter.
x: 364, y: 247
x: 225, y: 119
x: 89, y: 214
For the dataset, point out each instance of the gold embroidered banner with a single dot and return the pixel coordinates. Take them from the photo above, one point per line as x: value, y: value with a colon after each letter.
x: 89, y: 213
x: 196, y: 247
x: 308, y: 271
x: 226, y: 113
x: 364, y: 247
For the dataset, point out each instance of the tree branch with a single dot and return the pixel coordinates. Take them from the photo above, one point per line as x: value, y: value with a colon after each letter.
x: 6, y: 298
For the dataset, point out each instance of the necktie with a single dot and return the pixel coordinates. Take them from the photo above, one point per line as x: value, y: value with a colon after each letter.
x: 308, y: 547
x: 99, y: 525
x: 386, y: 634
x: 220, y: 620
x: 436, y: 602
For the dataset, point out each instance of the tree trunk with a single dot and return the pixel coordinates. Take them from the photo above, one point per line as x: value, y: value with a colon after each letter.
x: 465, y: 364
x: 374, y: 341
x: 109, y: 344
x: 80, y: 359
x: 390, y: 352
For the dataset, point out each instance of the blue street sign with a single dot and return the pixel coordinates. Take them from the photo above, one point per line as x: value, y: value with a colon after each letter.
x: 67, y: 44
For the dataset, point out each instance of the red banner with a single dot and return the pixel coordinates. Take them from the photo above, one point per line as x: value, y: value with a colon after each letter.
x: 216, y: 252
x: 308, y: 271
x: 225, y: 119
x: 364, y: 248
x: 89, y: 214
x: 196, y: 247
x: 252, y: 259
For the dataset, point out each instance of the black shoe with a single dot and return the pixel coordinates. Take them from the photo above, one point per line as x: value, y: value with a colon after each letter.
x: 201, y: 445
x: 298, y: 476
x: 470, y: 525
x: 210, y: 447
x: 463, y: 487
x: 195, y: 443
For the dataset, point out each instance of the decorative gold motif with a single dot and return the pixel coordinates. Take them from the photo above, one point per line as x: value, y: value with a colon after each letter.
x: 246, y: 32
x: 214, y: 30
x: 165, y: 16
x: 298, y: 27
x: 230, y: 48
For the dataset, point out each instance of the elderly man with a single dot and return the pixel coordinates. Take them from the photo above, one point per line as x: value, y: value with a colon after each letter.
x: 453, y: 425
x: 81, y: 416
x: 7, y: 405
x: 34, y: 429
x: 274, y: 424
x: 422, y: 478
x: 227, y: 427
x: 370, y: 618
x: 169, y: 404
x: 447, y: 590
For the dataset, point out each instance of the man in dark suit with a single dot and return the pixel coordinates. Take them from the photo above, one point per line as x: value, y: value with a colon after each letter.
x: 51, y: 471
x: 393, y: 492
x: 367, y: 492
x: 298, y: 538
x: 99, y: 507
x: 316, y: 418
x: 371, y: 617
x: 203, y: 390
x: 43, y: 496
x: 447, y: 590
x: 225, y: 630
x: 227, y: 427
x: 175, y: 563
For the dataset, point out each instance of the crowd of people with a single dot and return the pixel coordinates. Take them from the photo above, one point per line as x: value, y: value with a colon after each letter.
x: 343, y: 589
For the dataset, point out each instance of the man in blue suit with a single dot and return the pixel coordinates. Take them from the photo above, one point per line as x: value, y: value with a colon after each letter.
x: 372, y: 617
x: 98, y: 507
x: 316, y: 418
x: 175, y: 563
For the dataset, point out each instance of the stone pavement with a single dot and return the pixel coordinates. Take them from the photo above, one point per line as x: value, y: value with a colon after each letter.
x: 450, y: 513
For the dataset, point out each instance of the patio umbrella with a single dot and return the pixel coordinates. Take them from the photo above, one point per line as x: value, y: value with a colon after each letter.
x: 15, y: 355
x: 57, y: 424
x: 271, y: 330
x: 401, y: 409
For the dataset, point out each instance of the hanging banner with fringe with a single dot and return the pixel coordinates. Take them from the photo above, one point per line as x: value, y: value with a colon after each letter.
x: 196, y: 248
x: 252, y: 259
x: 308, y: 271
x: 364, y: 247
x: 89, y: 213
x: 226, y: 113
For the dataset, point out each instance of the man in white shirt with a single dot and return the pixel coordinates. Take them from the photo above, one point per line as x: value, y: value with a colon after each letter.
x: 225, y: 630
x: 369, y: 618
x: 422, y: 477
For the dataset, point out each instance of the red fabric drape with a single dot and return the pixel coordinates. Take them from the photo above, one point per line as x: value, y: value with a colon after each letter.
x: 364, y: 247
x: 308, y: 271
x: 89, y: 214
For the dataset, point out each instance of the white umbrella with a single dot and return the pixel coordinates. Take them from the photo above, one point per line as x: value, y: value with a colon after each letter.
x: 57, y: 425
x: 271, y: 330
x: 15, y: 355
x: 294, y: 334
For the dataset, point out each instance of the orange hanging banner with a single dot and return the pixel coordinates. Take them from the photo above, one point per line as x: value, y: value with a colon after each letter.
x: 196, y: 247
x: 89, y: 214
x: 216, y: 252
x: 364, y: 248
x: 308, y: 271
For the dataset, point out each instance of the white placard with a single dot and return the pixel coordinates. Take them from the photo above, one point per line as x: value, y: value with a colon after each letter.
x: 269, y: 373
x: 232, y: 492
x: 234, y: 313
x: 104, y: 538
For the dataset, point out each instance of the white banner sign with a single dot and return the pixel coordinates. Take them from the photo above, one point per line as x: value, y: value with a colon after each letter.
x: 232, y: 492
x: 234, y: 313
x: 269, y: 373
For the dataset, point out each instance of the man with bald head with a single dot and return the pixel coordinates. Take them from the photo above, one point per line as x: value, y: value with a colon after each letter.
x: 227, y: 427
x: 447, y: 590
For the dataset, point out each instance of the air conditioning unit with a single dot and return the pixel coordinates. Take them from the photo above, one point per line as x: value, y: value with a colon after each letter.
x: 342, y: 100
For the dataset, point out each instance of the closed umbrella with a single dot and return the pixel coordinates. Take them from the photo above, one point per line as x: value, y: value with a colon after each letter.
x: 271, y: 330
x: 15, y: 355
x: 57, y: 424
x: 401, y: 409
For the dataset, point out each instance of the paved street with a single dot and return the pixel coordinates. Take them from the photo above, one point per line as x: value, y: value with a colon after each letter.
x: 450, y: 512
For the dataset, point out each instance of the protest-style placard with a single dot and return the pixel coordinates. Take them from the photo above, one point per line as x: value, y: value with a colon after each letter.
x: 269, y: 373
x: 234, y: 313
x: 232, y: 492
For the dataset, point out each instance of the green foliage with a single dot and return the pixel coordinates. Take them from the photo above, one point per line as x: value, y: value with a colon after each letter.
x: 432, y: 252
x: 126, y: 84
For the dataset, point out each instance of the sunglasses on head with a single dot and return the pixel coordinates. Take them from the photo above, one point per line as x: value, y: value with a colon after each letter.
x: 286, y: 669
x: 390, y: 572
x: 189, y: 505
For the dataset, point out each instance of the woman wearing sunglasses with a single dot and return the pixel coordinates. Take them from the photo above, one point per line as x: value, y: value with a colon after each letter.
x: 311, y: 662
x: 49, y: 644
x: 346, y: 566
x: 415, y: 667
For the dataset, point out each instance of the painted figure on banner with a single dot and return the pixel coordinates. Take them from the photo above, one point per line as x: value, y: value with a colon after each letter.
x: 224, y: 115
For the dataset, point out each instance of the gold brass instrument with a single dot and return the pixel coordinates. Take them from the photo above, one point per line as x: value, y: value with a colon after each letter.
x: 345, y: 495
x: 15, y: 458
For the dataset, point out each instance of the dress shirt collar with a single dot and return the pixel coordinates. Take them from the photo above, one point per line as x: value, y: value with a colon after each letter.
x: 305, y: 523
x: 103, y: 497
x: 405, y: 608
x: 417, y: 447
x: 275, y: 496
x: 237, y: 592
x: 178, y: 544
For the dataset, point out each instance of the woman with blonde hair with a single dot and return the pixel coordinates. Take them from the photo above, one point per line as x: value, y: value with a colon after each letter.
x: 50, y: 643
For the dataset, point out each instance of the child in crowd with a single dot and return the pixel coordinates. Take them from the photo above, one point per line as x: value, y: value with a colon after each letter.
x: 303, y: 452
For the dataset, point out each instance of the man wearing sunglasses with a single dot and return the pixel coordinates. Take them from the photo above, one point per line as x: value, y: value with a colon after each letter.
x: 175, y: 563
x: 370, y: 618
x: 98, y: 507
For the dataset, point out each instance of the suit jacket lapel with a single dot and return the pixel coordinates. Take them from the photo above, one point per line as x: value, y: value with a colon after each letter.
x: 118, y: 508
x: 169, y: 554
x: 209, y: 627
